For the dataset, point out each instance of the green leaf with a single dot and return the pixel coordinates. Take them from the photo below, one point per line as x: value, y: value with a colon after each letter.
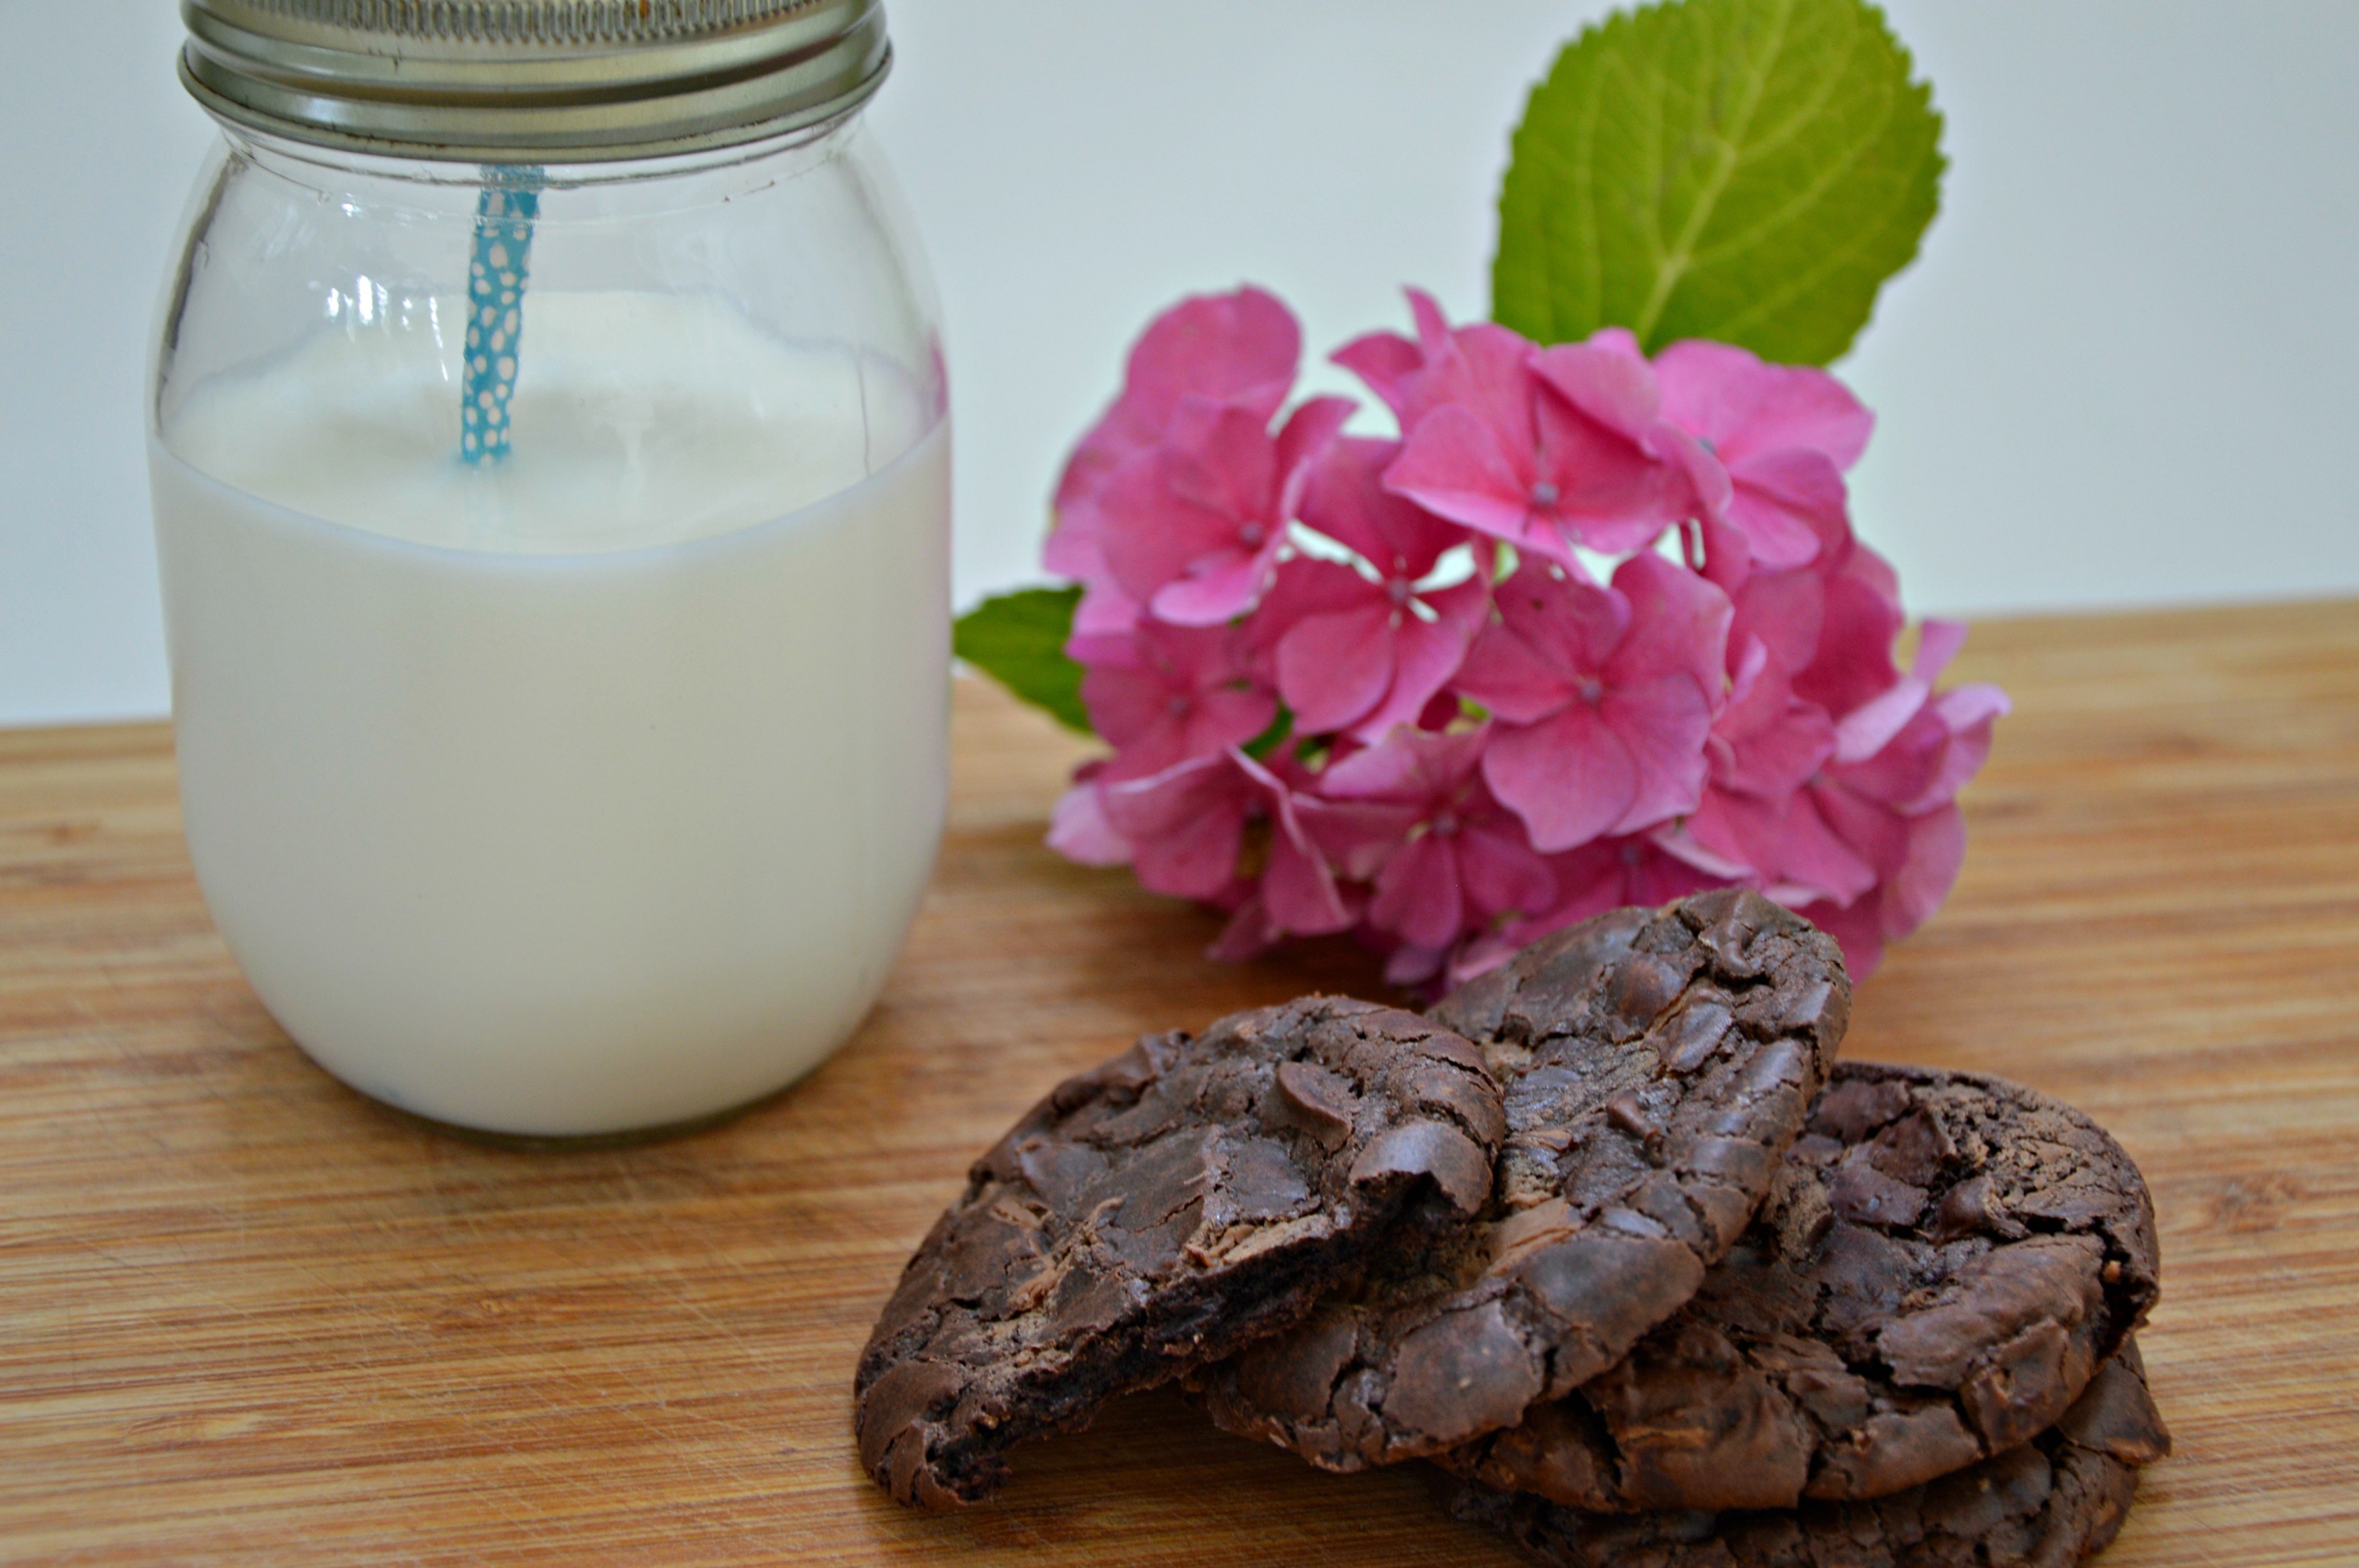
x: 1271, y: 738
x: 1749, y: 170
x: 1018, y: 639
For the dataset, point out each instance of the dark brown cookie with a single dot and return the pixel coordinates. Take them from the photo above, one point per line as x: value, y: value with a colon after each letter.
x: 1184, y: 1199
x: 2045, y: 1504
x: 1657, y: 1065
x: 1947, y: 1261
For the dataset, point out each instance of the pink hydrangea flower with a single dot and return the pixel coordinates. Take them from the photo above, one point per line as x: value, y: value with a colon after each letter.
x: 1736, y: 719
x: 1240, y: 349
x: 1604, y: 697
x: 1362, y: 650
x: 1163, y: 694
x: 1784, y: 435
x: 1192, y: 528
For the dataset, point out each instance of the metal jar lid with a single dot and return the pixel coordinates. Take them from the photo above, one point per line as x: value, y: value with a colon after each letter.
x: 532, y: 82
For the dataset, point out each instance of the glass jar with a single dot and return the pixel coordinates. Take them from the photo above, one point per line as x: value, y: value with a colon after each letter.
x: 554, y: 543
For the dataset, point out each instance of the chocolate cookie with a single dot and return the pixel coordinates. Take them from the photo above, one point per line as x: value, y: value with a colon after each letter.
x: 1657, y: 1065
x: 1947, y: 1261
x: 2046, y: 1504
x: 1178, y: 1201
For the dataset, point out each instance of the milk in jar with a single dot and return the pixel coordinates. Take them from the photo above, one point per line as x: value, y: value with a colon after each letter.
x: 592, y: 791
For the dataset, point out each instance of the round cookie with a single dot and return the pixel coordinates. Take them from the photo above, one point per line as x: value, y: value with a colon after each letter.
x: 1948, y: 1259
x: 1656, y: 1064
x: 1175, y: 1203
x: 2045, y: 1504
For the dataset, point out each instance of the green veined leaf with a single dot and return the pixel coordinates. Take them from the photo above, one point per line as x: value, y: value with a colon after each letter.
x: 1748, y: 170
x: 1018, y: 639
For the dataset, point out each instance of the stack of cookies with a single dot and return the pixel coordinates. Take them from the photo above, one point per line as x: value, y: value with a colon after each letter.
x: 1609, y: 1237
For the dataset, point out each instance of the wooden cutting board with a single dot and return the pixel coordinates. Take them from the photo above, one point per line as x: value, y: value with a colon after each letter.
x: 246, y: 1316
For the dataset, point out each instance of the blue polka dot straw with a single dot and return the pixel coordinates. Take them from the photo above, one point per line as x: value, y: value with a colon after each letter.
x: 496, y: 276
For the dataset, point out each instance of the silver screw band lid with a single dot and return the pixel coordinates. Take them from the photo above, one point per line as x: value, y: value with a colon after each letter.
x: 524, y: 81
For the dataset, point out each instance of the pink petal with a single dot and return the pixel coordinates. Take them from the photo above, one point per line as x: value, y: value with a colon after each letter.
x: 1297, y: 888
x: 1871, y: 830
x: 1611, y: 494
x: 1306, y: 586
x: 1486, y: 369
x: 1185, y: 825
x: 1236, y: 348
x: 1938, y: 642
x: 1866, y: 730
x: 1387, y: 362
x: 1228, y: 715
x: 1416, y: 766
x: 1333, y: 668
x: 1149, y: 534
x: 1126, y: 705
x: 1569, y: 777
x: 1240, y: 347
x: 1104, y: 610
x: 1860, y: 619
x: 1807, y: 408
x: 1079, y: 831
x: 1661, y: 725
x: 1357, y: 836
x: 1616, y: 390
x: 1696, y: 840
x: 1502, y: 874
x: 1857, y: 929
x: 1347, y: 502
x: 1247, y: 935
x: 1677, y: 624
x: 1787, y: 504
x: 1744, y: 406
x: 1655, y: 878
x: 1303, y: 440
x: 1418, y: 894
x: 1784, y: 611
x: 1453, y: 465
x: 1072, y: 550
x: 1786, y: 843
x: 1222, y: 459
x: 1415, y: 966
x: 1766, y: 741
x: 1937, y: 848
x: 1504, y: 674
x: 1708, y: 389
x: 1427, y: 654
x: 1573, y: 627
x: 1393, y: 365
x: 1218, y: 588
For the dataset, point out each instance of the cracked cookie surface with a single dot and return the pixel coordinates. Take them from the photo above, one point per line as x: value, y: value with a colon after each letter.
x: 1656, y: 1064
x: 2049, y: 1503
x: 1947, y: 1261
x: 1175, y: 1203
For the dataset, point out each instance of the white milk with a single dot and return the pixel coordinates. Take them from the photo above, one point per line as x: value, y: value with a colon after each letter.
x: 590, y: 792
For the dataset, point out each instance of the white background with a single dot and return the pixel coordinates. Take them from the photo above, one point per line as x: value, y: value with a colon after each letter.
x: 2122, y: 373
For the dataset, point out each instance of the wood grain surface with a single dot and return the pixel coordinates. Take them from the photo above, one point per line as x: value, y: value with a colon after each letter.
x: 248, y: 1316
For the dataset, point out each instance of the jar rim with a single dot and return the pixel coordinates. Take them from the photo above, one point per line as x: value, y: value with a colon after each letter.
x: 396, y: 78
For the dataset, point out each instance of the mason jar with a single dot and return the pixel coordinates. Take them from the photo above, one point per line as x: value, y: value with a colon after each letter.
x: 549, y: 446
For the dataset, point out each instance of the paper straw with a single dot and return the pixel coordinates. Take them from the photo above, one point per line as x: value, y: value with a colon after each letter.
x: 495, y: 277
